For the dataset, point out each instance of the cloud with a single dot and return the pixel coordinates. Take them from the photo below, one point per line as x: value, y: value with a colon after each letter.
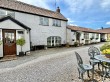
x: 79, y: 5
x: 108, y: 23
x: 105, y: 4
x: 73, y: 24
x: 39, y: 3
x: 70, y: 20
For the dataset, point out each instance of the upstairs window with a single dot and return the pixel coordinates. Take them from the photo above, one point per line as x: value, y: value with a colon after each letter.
x: 56, y: 23
x: 44, y: 21
x: 6, y: 13
x: 2, y: 12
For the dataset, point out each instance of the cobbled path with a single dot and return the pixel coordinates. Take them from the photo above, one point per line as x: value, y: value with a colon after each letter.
x: 52, y: 65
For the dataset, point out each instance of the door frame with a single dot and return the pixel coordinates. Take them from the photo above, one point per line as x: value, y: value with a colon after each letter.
x: 4, y: 30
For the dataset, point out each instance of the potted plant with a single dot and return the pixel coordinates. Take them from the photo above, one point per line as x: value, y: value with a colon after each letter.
x: 67, y: 44
x: 0, y: 42
x: 106, y: 52
x: 21, y: 42
x: 105, y: 49
x: 76, y: 44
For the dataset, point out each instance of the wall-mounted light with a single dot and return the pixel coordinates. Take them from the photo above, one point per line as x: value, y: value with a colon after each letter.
x: 27, y: 31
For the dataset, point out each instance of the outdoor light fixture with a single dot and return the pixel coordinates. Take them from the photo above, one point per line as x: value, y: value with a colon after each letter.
x: 27, y: 31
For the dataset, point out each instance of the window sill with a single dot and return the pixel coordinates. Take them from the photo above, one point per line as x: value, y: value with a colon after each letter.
x: 56, y: 26
x: 43, y: 25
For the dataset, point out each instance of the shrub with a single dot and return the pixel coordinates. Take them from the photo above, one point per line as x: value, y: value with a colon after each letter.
x: 20, y: 42
x: 105, y: 46
x: 76, y: 44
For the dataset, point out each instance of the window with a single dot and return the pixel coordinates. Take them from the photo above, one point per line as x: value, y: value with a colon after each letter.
x: 6, y: 12
x: 97, y: 36
x: 44, y: 21
x: 9, y: 37
x: 93, y: 35
x: 86, y: 36
x: 2, y: 12
x: 53, y: 41
x: 56, y: 23
x: 20, y: 34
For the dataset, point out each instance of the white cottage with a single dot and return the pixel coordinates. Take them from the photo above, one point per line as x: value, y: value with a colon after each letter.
x: 11, y: 30
x: 82, y: 35
x: 48, y: 28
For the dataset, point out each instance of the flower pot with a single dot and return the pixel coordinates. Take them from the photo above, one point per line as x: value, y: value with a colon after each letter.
x: 107, y: 55
x: 21, y: 53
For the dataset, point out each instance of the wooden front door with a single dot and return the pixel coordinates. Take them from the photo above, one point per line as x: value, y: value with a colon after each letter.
x: 9, y: 42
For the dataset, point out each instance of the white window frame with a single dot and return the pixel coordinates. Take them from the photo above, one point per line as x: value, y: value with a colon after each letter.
x: 97, y: 36
x: 53, y: 41
x: 44, y: 21
x: 21, y: 35
x: 7, y: 12
x: 56, y: 23
x: 86, y: 36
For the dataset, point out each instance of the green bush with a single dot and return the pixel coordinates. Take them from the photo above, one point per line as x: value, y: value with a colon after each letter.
x: 20, y: 42
x: 76, y: 44
x: 0, y: 42
x: 105, y: 46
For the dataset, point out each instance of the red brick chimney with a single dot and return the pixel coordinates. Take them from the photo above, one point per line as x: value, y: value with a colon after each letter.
x: 58, y: 10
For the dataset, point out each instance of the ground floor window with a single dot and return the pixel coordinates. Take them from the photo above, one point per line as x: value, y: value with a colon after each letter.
x: 20, y: 34
x: 53, y: 41
x: 86, y: 36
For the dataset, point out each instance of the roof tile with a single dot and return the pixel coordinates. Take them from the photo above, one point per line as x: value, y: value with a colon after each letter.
x: 23, y: 7
x: 77, y: 28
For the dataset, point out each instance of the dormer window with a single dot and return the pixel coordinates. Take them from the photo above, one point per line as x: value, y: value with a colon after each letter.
x: 56, y: 23
x: 6, y: 13
x: 44, y: 21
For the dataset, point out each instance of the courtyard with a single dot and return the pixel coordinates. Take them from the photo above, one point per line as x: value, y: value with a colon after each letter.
x: 51, y: 65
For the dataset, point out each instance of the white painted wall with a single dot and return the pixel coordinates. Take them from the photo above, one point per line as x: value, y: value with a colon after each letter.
x: 82, y: 37
x: 8, y: 24
x: 71, y: 35
x: 39, y: 33
x: 26, y: 46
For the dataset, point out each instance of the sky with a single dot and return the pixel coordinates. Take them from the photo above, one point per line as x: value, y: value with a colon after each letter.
x: 85, y: 13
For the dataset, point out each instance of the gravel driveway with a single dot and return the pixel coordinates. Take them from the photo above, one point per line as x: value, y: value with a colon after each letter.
x: 53, y: 65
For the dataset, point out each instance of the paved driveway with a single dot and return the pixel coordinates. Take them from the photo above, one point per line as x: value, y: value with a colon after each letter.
x: 53, y: 65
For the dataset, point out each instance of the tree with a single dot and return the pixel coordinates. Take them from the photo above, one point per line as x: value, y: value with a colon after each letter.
x: 20, y: 42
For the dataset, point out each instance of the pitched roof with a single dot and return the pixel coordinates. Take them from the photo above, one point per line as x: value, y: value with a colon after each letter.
x: 77, y: 28
x: 26, y: 8
x: 104, y: 30
x: 15, y: 21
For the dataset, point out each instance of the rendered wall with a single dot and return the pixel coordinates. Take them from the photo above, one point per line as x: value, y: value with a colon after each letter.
x: 39, y: 33
x: 8, y: 24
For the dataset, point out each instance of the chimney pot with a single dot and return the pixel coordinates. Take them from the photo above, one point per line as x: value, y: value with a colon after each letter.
x: 58, y: 10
